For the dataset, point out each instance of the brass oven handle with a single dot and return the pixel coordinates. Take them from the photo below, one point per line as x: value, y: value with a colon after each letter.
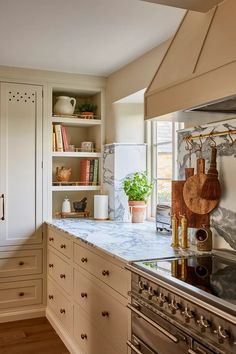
x: 154, y: 324
x: 3, y: 207
x: 130, y: 344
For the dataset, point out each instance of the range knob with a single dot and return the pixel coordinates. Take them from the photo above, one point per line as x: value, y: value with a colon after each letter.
x: 222, y: 334
x: 162, y: 299
x: 151, y: 293
x: 174, y: 306
x: 203, y: 324
x: 140, y: 286
x: 188, y: 314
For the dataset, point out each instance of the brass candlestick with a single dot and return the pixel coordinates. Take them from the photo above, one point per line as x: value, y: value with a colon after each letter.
x: 184, y: 232
x: 175, y: 234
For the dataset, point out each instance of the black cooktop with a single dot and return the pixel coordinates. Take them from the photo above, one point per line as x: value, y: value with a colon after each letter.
x: 210, y: 273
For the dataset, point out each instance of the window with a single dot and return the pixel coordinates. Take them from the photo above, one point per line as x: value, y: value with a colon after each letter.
x: 162, y: 147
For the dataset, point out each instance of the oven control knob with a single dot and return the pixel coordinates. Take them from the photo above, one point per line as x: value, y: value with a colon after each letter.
x: 174, y: 306
x: 162, y: 299
x: 188, y: 314
x: 222, y: 334
x: 140, y: 286
x: 203, y: 323
x: 151, y: 293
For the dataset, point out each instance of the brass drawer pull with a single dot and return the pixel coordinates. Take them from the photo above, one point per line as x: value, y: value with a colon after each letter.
x: 51, y: 239
x: 84, y: 295
x: 21, y: 294
x: 105, y: 272
x: 62, y: 311
x: 105, y: 314
x: 50, y: 265
x: 84, y: 260
x: 83, y: 336
x: 21, y: 263
x: 50, y: 297
x: 62, y: 276
x: 63, y: 246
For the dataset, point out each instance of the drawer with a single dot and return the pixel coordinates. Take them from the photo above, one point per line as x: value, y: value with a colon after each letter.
x: 16, y: 263
x: 60, y: 305
x: 88, y: 337
x: 60, y: 271
x: 106, y: 311
x: 61, y: 243
x: 109, y: 273
x: 20, y: 293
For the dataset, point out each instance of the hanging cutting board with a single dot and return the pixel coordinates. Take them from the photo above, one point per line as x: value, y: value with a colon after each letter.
x: 192, y: 191
x: 180, y: 208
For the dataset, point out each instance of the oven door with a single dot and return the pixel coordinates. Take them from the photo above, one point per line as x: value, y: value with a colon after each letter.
x: 152, y: 334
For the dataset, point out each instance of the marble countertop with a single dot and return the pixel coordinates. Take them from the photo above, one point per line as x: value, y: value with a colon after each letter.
x: 126, y: 241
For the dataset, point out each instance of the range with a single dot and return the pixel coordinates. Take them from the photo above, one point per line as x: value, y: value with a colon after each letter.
x: 184, y: 304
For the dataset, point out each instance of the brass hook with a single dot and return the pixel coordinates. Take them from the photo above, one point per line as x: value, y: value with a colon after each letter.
x: 231, y: 139
x: 189, y: 147
x: 213, y: 142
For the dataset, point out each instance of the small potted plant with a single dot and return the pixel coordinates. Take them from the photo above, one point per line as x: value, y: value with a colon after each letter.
x: 137, y: 188
x: 87, y: 110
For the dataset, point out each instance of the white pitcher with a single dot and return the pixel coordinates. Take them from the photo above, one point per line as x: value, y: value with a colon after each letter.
x: 64, y: 105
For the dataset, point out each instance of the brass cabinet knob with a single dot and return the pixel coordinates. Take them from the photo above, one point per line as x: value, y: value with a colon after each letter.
x: 84, y: 295
x: 105, y: 272
x: 63, y: 246
x: 62, y: 276
x: 84, y: 260
x: 50, y: 265
x: 105, y: 314
x: 51, y: 239
x: 222, y: 334
x: 62, y: 311
x: 83, y: 336
x: 21, y: 293
x: 21, y: 263
x: 50, y: 297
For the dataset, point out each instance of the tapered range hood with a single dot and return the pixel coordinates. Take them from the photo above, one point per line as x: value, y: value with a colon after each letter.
x: 199, y: 66
x: 195, y: 5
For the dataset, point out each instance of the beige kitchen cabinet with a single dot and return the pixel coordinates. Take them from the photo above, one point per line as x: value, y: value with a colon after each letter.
x: 87, y: 308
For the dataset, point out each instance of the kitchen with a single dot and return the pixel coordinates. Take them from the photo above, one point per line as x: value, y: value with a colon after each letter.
x: 86, y: 276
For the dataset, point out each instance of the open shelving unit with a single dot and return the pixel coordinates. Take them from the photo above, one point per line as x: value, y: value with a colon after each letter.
x: 78, y: 131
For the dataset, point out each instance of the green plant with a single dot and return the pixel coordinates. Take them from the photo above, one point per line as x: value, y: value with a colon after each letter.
x: 87, y: 107
x: 137, y: 187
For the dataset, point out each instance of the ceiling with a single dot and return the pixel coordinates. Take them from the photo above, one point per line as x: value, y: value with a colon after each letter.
x: 81, y: 36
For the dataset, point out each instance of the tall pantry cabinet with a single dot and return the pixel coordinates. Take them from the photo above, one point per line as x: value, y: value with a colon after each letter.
x: 21, y: 241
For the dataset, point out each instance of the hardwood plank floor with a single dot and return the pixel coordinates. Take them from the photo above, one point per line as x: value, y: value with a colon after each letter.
x: 34, y: 336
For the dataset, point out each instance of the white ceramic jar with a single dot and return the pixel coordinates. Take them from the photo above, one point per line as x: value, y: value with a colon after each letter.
x: 63, y: 105
x: 66, y: 207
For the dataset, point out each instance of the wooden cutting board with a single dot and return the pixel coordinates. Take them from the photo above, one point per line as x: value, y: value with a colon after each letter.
x: 180, y: 208
x: 192, y: 191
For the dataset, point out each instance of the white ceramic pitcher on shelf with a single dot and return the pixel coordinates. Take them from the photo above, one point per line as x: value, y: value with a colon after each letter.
x: 63, y: 105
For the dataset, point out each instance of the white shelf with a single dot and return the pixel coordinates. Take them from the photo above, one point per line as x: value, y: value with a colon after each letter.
x: 71, y: 122
x: 75, y: 188
x: 76, y: 154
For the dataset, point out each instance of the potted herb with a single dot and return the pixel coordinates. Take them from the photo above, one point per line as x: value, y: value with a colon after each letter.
x: 87, y: 110
x: 137, y: 188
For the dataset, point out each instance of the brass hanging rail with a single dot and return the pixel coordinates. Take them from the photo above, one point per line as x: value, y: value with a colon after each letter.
x: 212, y: 134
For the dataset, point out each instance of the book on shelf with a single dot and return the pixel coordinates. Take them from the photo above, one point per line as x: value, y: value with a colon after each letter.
x: 65, y: 138
x: 88, y: 172
x: 59, y: 141
x: 53, y: 141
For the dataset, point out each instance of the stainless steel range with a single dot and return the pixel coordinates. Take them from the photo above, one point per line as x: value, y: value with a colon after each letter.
x: 184, y: 305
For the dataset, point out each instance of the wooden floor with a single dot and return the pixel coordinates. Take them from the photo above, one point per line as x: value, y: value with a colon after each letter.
x: 35, y: 336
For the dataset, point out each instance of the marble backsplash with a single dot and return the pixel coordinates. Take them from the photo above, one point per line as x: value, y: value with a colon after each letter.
x: 223, y: 218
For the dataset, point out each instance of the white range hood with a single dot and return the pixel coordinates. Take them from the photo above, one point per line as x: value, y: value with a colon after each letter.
x: 199, y: 65
x: 194, y: 5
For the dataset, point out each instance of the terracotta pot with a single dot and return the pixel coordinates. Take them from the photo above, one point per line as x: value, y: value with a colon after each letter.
x: 137, y: 210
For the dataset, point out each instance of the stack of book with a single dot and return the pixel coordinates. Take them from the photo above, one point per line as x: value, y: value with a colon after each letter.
x: 60, y: 138
x: 88, y: 172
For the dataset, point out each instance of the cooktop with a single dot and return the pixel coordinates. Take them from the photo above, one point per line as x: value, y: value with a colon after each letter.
x: 211, y: 273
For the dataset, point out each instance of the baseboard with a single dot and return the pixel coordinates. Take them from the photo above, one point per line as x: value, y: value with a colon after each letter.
x: 22, y: 314
x: 67, y: 340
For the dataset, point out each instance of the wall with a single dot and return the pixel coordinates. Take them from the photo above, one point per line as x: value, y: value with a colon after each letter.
x: 129, y: 79
x: 224, y: 216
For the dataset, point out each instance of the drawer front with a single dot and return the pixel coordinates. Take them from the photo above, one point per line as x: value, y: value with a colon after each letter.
x: 61, y: 243
x: 60, y: 305
x: 109, y: 273
x: 87, y: 335
x: 109, y: 314
x: 16, y: 263
x: 20, y: 293
x: 60, y: 271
